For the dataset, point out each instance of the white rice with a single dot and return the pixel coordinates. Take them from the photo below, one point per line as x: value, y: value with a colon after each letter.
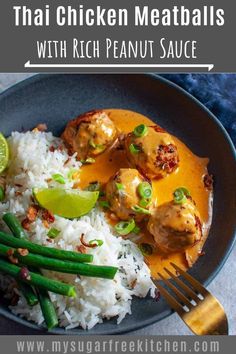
x: 32, y: 164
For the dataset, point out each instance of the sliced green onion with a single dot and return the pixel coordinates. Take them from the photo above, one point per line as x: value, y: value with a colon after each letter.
x: 145, y: 190
x: 140, y: 130
x: 180, y: 195
x: 125, y: 227
x: 93, y: 187
x: 144, y: 202
x: 136, y: 230
x: 57, y: 177
x: 53, y: 232
x: 96, y: 146
x: 104, y: 204
x: 119, y: 186
x: 134, y: 149
x: 140, y: 210
x: 2, y: 193
x: 101, y: 193
x: 88, y: 161
x: 146, y: 249
x: 99, y: 243
x: 92, y: 144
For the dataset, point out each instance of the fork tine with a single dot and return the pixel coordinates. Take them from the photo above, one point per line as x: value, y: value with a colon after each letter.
x: 178, y: 293
x: 191, y: 280
x: 171, y: 300
x: 181, y: 284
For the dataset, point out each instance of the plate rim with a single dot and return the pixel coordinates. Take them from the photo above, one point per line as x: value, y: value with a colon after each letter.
x: 155, y: 76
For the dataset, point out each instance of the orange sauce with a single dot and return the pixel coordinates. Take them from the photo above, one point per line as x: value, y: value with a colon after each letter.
x: 189, y: 174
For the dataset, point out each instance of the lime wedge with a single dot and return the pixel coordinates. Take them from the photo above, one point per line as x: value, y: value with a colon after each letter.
x: 66, y: 203
x: 4, y: 153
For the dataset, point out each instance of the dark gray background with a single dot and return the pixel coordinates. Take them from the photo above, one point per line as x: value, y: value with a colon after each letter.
x: 215, y: 44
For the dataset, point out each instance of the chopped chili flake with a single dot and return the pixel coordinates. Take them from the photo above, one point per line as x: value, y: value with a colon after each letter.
x: 32, y: 213
x: 67, y: 161
x: 167, y: 157
x: 198, y: 224
x: 13, y: 259
x: 52, y: 148
x: 10, y: 252
x: 26, y: 224
x: 133, y: 283
x: 81, y: 249
x: 84, y: 243
x: 48, y: 216
x: 157, y: 295
x: 18, y: 185
x: 41, y: 127
x: 46, y: 224
x: 24, y: 273
x: 18, y: 193
x: 158, y: 129
x: 208, y: 182
x: 23, y: 251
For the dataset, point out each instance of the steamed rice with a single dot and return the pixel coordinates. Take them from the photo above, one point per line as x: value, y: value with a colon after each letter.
x: 33, y: 163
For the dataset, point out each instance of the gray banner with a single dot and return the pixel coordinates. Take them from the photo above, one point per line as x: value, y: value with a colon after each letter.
x: 189, y: 35
x: 118, y: 344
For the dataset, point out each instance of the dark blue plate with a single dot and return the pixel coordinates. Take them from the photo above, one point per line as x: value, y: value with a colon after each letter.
x: 54, y: 99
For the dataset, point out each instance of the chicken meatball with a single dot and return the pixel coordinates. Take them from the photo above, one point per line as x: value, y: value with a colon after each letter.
x: 89, y: 134
x: 129, y: 194
x: 175, y: 227
x: 152, y: 151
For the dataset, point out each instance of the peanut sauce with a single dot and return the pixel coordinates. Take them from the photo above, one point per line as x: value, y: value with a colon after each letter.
x: 190, y: 174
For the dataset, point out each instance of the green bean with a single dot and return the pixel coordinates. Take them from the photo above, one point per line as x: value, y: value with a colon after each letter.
x: 48, y: 309
x: 32, y: 299
x: 57, y: 265
x: 28, y: 293
x: 18, y: 231
x: 38, y: 280
x: 45, y: 251
x: 14, y: 225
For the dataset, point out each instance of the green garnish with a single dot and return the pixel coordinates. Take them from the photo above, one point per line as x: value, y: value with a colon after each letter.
x: 57, y: 177
x: 119, y: 186
x: 180, y: 195
x: 140, y: 210
x: 146, y: 249
x: 144, y: 202
x: 88, y: 161
x: 93, y: 187
x: 2, y: 194
x: 98, y: 243
x: 104, y: 204
x: 92, y: 144
x: 136, y: 230
x: 53, y: 232
x: 145, y: 190
x: 140, y: 130
x: 125, y: 227
x: 134, y: 149
x: 96, y: 146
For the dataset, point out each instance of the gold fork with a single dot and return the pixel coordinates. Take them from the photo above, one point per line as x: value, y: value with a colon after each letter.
x: 200, y: 310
